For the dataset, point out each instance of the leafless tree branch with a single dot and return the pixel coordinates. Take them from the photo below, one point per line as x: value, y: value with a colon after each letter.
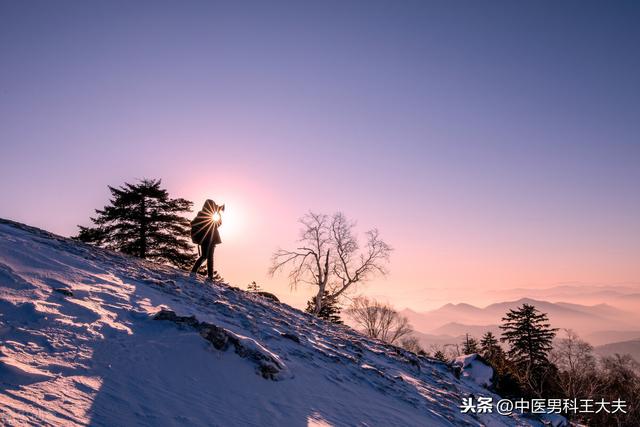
x: 329, y: 256
x: 379, y: 320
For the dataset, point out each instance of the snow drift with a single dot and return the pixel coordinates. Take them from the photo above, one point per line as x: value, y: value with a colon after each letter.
x: 88, y: 336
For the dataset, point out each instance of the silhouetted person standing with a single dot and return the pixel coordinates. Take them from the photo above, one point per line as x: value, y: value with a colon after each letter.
x: 204, y: 232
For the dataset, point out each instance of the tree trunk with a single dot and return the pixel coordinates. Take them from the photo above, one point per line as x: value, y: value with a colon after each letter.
x: 322, y: 284
x: 143, y: 229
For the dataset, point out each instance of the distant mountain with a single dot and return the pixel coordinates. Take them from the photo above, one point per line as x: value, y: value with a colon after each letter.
x: 460, y: 329
x: 458, y: 319
x: 604, y: 337
x: 631, y: 347
x: 626, y: 296
x: 600, y: 309
x: 427, y: 341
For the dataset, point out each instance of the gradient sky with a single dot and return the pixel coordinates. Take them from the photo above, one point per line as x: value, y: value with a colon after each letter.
x: 494, y: 144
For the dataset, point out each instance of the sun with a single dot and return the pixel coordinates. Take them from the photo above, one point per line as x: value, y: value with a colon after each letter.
x: 233, y: 220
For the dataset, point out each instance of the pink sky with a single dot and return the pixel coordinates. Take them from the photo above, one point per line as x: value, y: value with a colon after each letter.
x: 493, y: 146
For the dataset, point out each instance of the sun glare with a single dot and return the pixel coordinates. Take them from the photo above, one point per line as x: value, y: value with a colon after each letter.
x: 233, y: 219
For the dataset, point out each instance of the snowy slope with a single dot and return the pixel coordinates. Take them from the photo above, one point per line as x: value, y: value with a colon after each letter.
x: 79, y: 345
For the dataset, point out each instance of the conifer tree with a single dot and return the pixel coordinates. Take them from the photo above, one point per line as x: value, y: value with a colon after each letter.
x: 253, y: 287
x: 439, y: 355
x: 217, y: 277
x: 490, y: 347
x: 470, y: 345
x: 329, y: 308
x: 142, y: 220
x: 529, y: 335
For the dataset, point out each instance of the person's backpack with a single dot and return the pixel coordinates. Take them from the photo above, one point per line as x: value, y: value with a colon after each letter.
x: 200, y: 227
x: 203, y: 227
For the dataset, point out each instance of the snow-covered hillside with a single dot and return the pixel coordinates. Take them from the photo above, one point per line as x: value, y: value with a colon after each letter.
x: 81, y: 343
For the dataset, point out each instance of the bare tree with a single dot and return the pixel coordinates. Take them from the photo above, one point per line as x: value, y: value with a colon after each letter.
x: 329, y: 256
x: 577, y: 364
x: 452, y: 350
x: 379, y: 320
x: 412, y: 343
x: 620, y: 380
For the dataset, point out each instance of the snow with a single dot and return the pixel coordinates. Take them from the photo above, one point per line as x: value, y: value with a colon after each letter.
x: 79, y: 345
x: 472, y: 368
x: 554, y: 420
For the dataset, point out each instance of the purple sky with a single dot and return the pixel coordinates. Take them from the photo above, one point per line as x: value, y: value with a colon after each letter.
x: 495, y: 144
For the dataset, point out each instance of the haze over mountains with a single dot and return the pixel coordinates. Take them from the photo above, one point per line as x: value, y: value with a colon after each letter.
x: 631, y: 347
x: 599, y: 324
x: 623, y: 296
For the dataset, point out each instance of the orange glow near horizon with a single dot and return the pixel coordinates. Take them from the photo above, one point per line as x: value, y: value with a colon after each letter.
x: 465, y: 260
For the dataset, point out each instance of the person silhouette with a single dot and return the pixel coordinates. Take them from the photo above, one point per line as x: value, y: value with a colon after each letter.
x: 204, y: 233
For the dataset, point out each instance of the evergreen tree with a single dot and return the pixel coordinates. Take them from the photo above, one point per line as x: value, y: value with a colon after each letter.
x: 217, y: 277
x: 470, y: 345
x: 253, y: 287
x: 529, y: 335
x: 490, y: 347
x: 329, y: 308
x: 439, y: 355
x: 142, y: 220
x: 506, y: 381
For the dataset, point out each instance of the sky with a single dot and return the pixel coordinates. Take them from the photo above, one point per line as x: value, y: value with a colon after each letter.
x: 493, y: 144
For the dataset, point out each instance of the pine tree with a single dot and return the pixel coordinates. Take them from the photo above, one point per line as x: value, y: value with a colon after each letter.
x: 470, y: 345
x: 329, y: 308
x: 217, y: 277
x: 439, y: 355
x: 253, y: 287
x: 142, y: 220
x: 506, y: 381
x: 529, y: 335
x: 490, y: 347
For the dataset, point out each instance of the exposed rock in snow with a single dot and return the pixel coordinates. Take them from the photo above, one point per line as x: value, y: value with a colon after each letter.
x: 269, y: 365
x: 472, y: 367
x: 95, y: 355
